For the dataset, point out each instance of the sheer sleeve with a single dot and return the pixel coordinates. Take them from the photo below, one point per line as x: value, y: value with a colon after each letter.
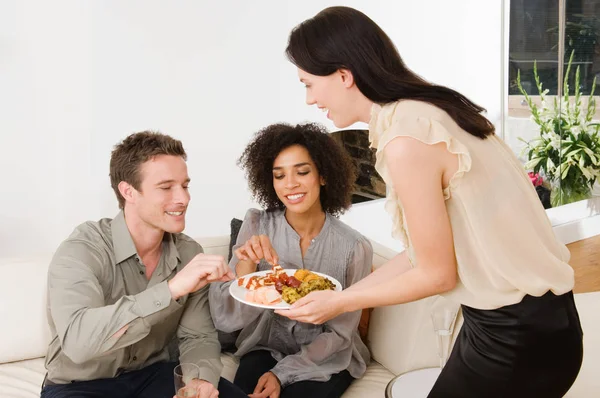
x: 331, y: 352
x: 229, y: 314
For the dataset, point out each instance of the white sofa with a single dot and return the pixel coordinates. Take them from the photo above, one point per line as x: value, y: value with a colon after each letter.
x: 401, y: 338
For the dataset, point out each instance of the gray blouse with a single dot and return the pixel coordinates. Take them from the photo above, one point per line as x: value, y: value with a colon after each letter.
x: 303, y: 351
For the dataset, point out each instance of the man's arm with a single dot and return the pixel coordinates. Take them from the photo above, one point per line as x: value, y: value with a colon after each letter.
x: 198, y: 341
x: 88, y: 328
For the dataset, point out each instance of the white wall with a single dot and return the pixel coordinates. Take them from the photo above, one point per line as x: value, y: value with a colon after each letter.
x: 77, y: 77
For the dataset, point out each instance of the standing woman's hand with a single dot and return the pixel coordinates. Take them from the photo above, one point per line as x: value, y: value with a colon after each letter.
x: 316, y: 307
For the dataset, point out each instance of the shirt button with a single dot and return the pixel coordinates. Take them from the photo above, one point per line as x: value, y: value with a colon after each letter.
x: 135, y: 358
x: 141, y: 272
x: 157, y: 303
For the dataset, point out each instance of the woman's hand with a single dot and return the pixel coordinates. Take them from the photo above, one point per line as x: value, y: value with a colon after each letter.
x: 268, y: 386
x: 255, y: 249
x: 316, y: 307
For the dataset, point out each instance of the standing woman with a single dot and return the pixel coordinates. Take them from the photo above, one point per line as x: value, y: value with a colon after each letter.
x: 462, y: 204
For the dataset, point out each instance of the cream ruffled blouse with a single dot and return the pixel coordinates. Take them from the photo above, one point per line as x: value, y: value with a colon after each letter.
x: 504, y: 243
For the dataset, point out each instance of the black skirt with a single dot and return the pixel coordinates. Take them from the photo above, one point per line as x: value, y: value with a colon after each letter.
x: 530, y: 349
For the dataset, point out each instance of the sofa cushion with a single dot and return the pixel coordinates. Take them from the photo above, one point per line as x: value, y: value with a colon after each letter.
x: 363, y: 324
x: 24, y: 332
x: 215, y: 245
x: 372, y: 384
x: 235, y: 226
x: 22, y: 379
x: 365, y: 318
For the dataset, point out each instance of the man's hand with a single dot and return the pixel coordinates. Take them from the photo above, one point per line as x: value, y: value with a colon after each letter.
x: 268, y: 387
x: 204, y: 388
x: 203, y: 269
x: 255, y: 249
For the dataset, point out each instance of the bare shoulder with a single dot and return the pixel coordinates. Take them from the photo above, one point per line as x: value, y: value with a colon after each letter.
x: 410, y: 150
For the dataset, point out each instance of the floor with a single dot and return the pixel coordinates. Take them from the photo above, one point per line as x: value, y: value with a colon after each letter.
x: 585, y: 260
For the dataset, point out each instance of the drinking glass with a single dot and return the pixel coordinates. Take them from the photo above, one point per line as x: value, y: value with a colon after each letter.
x: 182, y: 375
x: 443, y: 315
x: 188, y: 392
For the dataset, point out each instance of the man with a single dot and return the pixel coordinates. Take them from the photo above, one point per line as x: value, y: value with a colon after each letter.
x: 120, y: 290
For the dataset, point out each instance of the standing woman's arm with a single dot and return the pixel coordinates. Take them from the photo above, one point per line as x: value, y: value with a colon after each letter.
x: 418, y: 172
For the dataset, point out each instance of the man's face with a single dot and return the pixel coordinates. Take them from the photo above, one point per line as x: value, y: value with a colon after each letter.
x: 163, y: 197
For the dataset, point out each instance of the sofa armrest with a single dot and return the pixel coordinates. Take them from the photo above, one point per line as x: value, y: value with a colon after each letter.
x: 401, y: 337
x: 25, y: 333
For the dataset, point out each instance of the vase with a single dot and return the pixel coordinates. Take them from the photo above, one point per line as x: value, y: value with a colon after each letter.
x: 563, y: 194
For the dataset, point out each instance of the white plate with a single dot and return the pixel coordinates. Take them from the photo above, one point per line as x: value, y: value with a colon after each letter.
x: 239, y: 292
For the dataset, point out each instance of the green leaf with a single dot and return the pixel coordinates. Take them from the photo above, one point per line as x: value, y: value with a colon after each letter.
x: 566, y: 80
x: 586, y: 173
x: 591, y: 154
x: 565, y: 150
x: 532, y: 163
x: 568, y: 155
x: 565, y: 172
x: 591, y: 109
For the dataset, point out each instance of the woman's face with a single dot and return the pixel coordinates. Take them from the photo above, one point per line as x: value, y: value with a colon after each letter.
x: 296, y: 180
x: 335, y: 94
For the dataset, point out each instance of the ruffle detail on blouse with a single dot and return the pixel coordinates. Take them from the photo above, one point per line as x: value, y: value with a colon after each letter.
x: 384, y: 126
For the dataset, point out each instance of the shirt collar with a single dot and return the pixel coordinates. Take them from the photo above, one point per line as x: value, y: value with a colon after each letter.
x: 291, y: 231
x: 124, y: 247
x: 171, y: 253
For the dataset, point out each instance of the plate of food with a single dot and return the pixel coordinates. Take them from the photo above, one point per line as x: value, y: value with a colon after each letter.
x: 279, y: 288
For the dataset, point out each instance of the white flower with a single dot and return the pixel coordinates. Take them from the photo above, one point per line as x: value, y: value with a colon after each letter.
x: 546, y: 116
x: 553, y: 139
x: 575, y: 130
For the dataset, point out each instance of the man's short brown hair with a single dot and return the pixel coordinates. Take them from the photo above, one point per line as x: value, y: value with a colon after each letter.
x: 128, y: 156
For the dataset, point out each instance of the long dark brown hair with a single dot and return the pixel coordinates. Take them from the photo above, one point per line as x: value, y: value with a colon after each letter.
x: 345, y: 38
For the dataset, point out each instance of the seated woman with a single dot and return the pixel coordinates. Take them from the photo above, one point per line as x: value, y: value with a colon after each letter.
x: 303, y: 179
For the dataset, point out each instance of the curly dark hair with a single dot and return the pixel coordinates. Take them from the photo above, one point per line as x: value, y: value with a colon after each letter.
x: 333, y: 163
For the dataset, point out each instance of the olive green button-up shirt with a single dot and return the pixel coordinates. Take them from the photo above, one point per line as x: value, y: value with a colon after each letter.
x: 97, y: 285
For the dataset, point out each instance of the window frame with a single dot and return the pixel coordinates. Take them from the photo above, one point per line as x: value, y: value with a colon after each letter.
x: 570, y: 222
x: 517, y: 106
x: 515, y: 103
